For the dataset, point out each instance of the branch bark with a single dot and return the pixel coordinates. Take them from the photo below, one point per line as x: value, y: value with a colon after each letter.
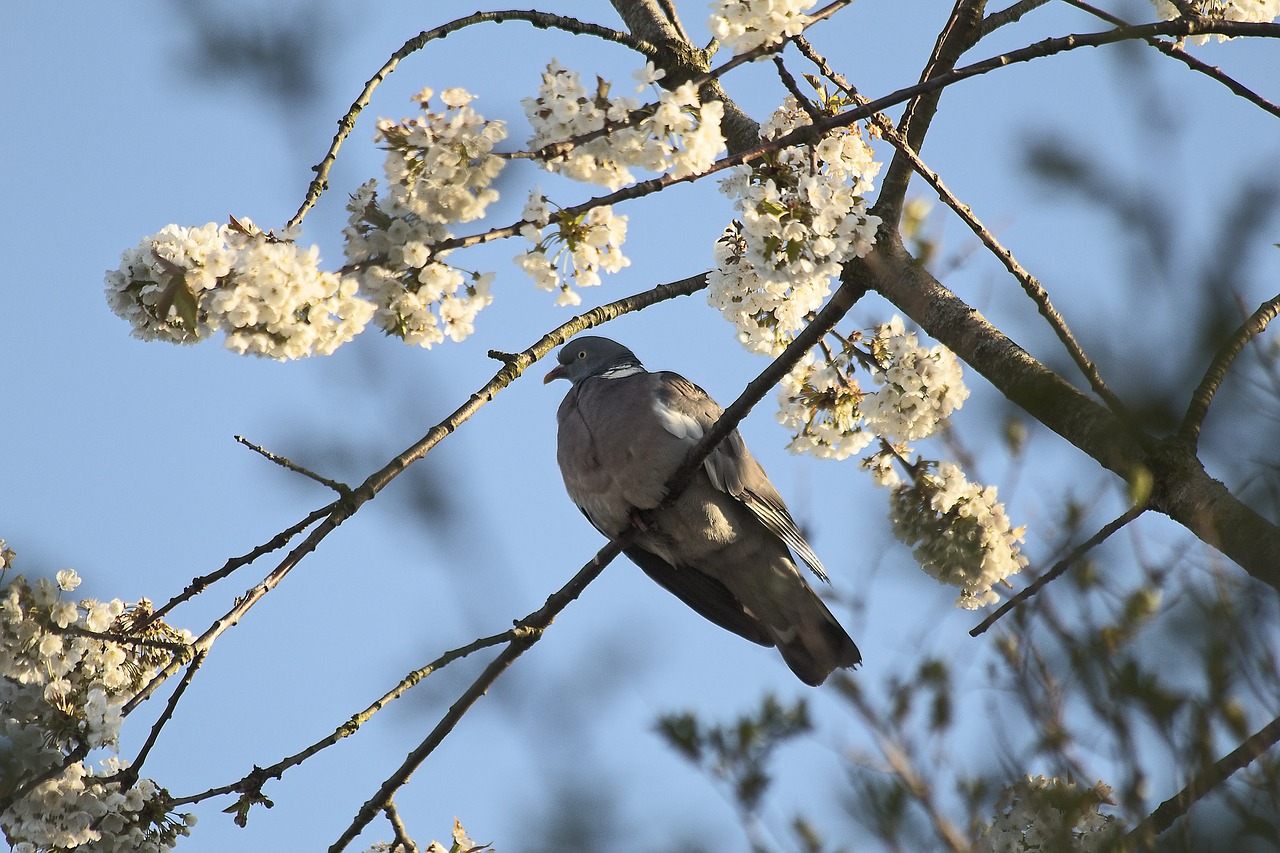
x: 1181, y: 488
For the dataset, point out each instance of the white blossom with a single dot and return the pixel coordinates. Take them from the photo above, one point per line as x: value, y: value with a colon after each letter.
x: 573, y: 250
x: 266, y: 294
x: 60, y: 690
x: 801, y: 216
x: 678, y: 134
x: 831, y: 416
x: 439, y: 169
x: 743, y: 25
x: 1039, y: 815
x: 1224, y: 10
x: 919, y: 388
x: 820, y: 403
x: 958, y: 531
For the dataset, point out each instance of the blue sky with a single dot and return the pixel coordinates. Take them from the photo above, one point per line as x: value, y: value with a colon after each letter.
x: 119, y: 459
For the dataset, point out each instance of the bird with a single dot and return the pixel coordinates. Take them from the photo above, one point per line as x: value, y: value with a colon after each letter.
x: 725, y: 546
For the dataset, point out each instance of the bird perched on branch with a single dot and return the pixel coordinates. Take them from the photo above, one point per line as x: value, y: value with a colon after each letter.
x: 725, y: 545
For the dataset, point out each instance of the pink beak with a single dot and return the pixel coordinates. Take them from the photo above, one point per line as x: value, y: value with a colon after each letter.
x: 554, y: 373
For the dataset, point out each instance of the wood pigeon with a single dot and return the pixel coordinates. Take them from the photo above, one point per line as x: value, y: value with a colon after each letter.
x: 725, y: 546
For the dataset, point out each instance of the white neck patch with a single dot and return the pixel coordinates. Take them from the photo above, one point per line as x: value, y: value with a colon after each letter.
x: 621, y: 371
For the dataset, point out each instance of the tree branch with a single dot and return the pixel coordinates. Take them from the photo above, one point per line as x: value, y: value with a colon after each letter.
x: 957, y: 36
x: 1060, y: 567
x: 1204, y: 782
x: 1172, y: 50
x: 541, y: 20
x: 1181, y: 489
x: 1030, y: 285
x: 1192, y: 421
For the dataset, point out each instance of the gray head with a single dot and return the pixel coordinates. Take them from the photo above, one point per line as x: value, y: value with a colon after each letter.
x: 587, y: 356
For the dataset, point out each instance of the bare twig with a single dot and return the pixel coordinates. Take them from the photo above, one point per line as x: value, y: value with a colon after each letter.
x: 403, y: 842
x: 1029, y: 283
x: 957, y: 35
x: 123, y: 639
x: 1172, y: 50
x: 1192, y: 421
x: 131, y: 773
x: 1059, y: 567
x: 200, y: 584
x: 1204, y: 782
x: 528, y: 631
x: 342, y: 489
x: 1012, y: 14
x: 541, y: 20
x: 254, y: 779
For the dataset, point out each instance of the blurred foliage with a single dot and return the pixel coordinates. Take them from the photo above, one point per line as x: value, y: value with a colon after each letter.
x: 737, y: 755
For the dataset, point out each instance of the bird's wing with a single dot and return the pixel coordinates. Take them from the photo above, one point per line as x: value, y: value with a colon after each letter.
x: 687, y: 412
x: 703, y: 593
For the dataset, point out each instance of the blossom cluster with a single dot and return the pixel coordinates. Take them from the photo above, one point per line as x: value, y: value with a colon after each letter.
x: 572, y: 247
x: 743, y: 25
x: 266, y: 294
x: 66, y: 669
x: 439, y: 169
x: 1039, y: 814
x: 802, y: 215
x: 832, y: 417
x: 919, y: 388
x: 1224, y: 10
x: 957, y: 530
x: 678, y: 133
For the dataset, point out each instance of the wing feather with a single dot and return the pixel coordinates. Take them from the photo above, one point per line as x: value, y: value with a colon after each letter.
x: 687, y: 412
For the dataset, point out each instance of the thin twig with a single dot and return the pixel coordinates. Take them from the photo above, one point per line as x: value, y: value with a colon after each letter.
x: 1192, y: 421
x: 342, y: 489
x: 1061, y: 566
x: 1204, y: 782
x: 1170, y: 49
x: 254, y: 780
x: 403, y: 842
x: 135, y: 766
x: 200, y: 584
x: 541, y: 20
x: 1030, y: 285
x: 1012, y: 14
x: 958, y: 34
x: 123, y: 639
x: 529, y: 631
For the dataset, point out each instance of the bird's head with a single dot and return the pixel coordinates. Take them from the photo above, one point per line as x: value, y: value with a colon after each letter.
x: 588, y: 356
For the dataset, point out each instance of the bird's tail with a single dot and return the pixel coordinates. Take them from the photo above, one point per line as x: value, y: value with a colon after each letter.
x: 817, y: 646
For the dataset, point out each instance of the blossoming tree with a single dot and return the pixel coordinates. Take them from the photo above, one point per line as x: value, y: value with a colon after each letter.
x: 803, y: 244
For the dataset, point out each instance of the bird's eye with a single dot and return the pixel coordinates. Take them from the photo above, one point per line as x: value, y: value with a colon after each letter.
x: 582, y: 353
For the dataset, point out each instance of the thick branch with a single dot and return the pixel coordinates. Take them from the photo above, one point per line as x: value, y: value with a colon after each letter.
x: 956, y: 37
x: 1182, y: 489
